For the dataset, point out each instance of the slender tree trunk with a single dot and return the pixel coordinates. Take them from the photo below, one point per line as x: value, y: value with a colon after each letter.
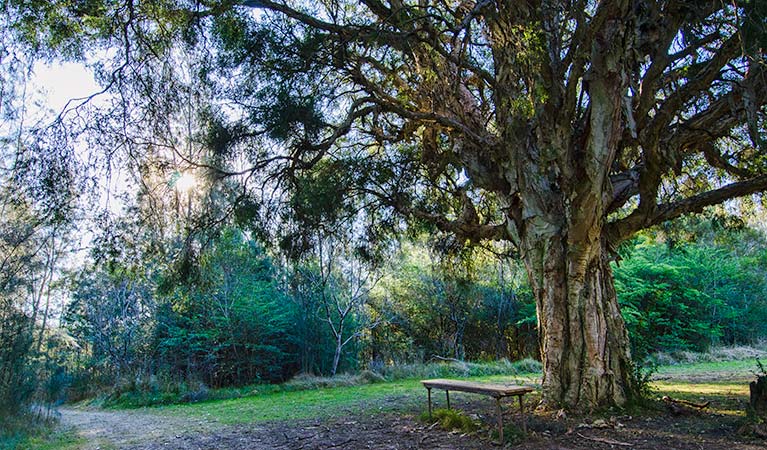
x: 583, y: 339
x: 337, y: 355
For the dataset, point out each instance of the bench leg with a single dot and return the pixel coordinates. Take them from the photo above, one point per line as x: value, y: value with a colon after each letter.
x: 447, y: 396
x: 428, y: 392
x: 500, y: 419
x: 522, y: 412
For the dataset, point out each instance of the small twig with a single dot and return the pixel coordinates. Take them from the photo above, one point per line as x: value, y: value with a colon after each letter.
x: 606, y: 441
x: 301, y: 438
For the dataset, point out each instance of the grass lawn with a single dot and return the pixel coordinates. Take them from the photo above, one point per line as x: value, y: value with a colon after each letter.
x: 388, y: 396
x: 741, y: 370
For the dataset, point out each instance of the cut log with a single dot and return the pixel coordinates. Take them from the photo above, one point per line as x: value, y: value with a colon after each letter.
x: 683, y: 407
x: 668, y: 399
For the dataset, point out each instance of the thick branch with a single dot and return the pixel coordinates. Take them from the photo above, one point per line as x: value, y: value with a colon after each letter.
x: 625, y: 228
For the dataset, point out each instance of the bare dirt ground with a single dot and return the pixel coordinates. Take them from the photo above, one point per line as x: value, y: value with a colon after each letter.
x: 123, y: 429
x: 717, y: 428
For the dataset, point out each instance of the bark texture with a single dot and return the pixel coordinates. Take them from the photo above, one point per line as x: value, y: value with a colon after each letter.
x: 584, y: 343
x: 758, y: 398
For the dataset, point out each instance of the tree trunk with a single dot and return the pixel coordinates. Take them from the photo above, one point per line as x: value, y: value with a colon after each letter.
x: 758, y: 398
x: 337, y: 355
x: 583, y: 339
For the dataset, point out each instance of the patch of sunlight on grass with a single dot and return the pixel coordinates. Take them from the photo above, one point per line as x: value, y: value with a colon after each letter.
x: 726, y: 397
x: 710, y: 388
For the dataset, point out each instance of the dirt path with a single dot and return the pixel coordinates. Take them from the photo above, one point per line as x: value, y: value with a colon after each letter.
x: 146, y: 431
x: 125, y: 429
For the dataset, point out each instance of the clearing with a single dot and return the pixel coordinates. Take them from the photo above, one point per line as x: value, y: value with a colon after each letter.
x: 386, y: 416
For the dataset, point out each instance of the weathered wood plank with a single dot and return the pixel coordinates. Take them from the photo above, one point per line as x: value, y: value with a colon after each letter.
x: 491, y: 389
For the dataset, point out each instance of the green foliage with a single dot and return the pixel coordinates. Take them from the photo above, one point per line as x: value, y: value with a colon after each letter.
x: 318, y: 199
x: 661, y: 308
x: 16, y: 365
x: 477, y: 309
x: 691, y: 296
x: 26, y: 433
x: 451, y: 420
x: 232, y: 325
x: 754, y: 28
x: 641, y: 373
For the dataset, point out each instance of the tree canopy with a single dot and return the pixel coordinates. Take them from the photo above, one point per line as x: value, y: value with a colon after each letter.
x: 563, y: 127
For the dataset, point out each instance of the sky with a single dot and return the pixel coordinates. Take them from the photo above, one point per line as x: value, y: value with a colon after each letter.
x: 59, y: 82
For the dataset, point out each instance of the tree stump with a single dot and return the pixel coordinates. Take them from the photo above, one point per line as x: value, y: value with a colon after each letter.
x: 759, y: 396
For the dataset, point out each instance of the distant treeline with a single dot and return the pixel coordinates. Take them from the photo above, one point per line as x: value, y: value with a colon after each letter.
x: 234, y: 314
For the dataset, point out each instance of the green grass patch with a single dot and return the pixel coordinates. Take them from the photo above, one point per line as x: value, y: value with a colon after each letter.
x: 451, y: 419
x: 741, y: 369
x: 152, y: 394
x: 304, y: 404
x: 312, y: 397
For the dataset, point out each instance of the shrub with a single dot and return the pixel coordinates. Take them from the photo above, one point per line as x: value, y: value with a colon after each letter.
x: 451, y: 419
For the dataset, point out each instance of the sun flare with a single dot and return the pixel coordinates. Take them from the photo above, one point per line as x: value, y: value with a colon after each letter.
x: 186, y: 182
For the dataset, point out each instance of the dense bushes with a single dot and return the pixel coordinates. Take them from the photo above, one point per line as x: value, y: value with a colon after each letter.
x: 692, y: 296
x: 475, y: 308
x: 16, y: 369
x: 231, y: 324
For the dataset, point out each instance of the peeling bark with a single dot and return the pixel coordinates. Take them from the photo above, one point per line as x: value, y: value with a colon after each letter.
x: 583, y: 339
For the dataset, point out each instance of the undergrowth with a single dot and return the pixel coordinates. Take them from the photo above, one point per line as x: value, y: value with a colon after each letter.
x: 460, y: 369
x: 451, y: 420
x: 31, y: 433
x: 716, y: 354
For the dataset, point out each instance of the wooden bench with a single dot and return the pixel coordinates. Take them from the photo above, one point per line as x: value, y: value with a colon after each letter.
x: 497, y: 391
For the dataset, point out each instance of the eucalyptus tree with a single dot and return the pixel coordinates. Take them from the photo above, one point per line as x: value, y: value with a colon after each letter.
x: 342, y: 280
x: 563, y: 127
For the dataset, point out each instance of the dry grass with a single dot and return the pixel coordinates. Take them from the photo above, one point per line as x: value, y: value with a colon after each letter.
x: 716, y: 354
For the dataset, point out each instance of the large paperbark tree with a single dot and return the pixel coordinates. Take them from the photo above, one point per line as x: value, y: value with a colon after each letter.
x: 563, y: 127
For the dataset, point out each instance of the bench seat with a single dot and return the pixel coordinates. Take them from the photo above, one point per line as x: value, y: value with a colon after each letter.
x: 491, y: 389
x: 497, y: 391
